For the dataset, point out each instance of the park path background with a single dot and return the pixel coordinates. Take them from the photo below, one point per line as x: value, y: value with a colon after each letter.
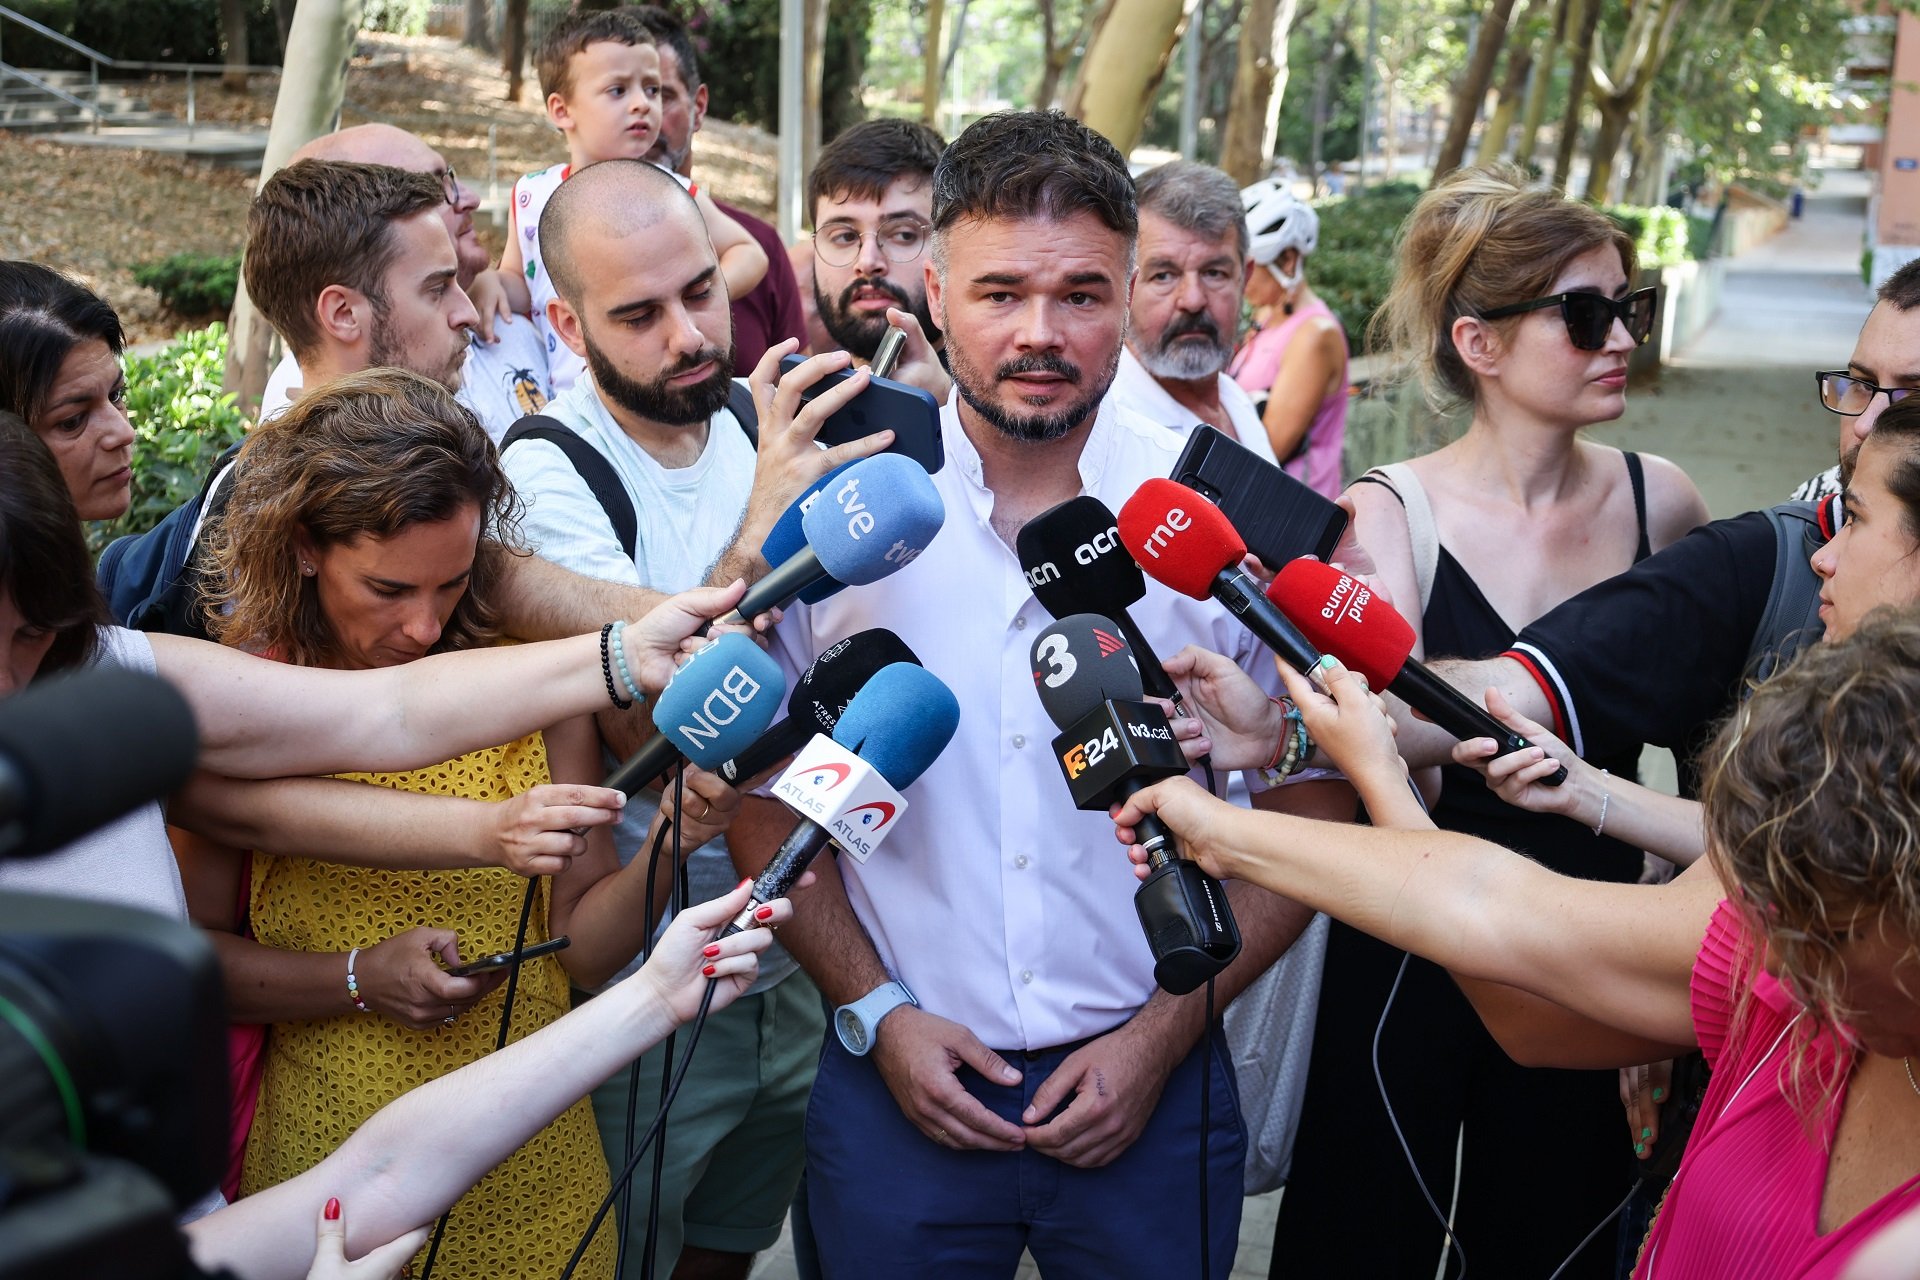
x: 1737, y: 409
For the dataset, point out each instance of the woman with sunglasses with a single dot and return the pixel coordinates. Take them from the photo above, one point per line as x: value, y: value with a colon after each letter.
x: 1515, y: 305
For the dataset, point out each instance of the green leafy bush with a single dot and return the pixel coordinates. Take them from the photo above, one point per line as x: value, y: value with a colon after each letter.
x: 182, y: 420
x: 193, y: 284
x: 1660, y: 232
x: 401, y: 17
x: 142, y: 30
x: 1352, y: 268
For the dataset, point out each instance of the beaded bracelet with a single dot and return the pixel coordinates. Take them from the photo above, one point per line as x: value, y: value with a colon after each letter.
x: 353, y: 985
x: 606, y: 668
x: 619, y: 646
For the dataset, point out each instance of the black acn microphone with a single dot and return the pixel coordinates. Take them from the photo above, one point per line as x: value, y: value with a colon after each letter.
x: 1112, y: 744
x: 79, y: 750
x: 820, y: 697
x: 1075, y: 564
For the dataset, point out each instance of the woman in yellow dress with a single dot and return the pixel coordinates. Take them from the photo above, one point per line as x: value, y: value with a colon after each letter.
x: 366, y: 529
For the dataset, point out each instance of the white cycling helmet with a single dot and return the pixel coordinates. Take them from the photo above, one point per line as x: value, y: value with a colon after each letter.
x: 1277, y: 220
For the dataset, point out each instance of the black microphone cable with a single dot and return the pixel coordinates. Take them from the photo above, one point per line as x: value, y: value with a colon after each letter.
x: 623, y: 1222
x: 676, y: 904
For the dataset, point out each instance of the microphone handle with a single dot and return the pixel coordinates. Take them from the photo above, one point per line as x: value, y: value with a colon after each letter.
x: 1447, y: 707
x: 645, y: 766
x: 1150, y: 833
x: 777, y: 880
x: 769, y: 748
x: 1244, y: 599
x: 779, y: 588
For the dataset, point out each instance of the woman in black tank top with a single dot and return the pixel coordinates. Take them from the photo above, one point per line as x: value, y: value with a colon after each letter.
x: 1475, y: 541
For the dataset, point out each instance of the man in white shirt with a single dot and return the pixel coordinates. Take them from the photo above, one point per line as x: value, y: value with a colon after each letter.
x: 1028, y: 1085
x: 1186, y: 306
x: 641, y: 301
x: 505, y: 374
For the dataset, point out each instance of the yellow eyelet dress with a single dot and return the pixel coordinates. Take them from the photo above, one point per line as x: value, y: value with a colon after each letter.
x: 324, y: 1078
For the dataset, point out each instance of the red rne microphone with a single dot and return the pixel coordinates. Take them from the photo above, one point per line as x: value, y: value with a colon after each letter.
x: 1185, y: 542
x: 1341, y: 615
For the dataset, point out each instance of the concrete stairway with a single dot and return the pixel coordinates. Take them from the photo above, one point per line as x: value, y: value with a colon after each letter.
x: 127, y: 123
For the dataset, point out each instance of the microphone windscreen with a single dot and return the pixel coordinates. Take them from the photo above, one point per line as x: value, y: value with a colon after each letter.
x: 720, y: 701
x: 900, y: 722
x: 1080, y: 662
x: 1178, y: 537
x: 788, y: 538
x: 88, y: 748
x: 1074, y: 561
x: 822, y: 692
x: 874, y: 519
x: 1340, y: 615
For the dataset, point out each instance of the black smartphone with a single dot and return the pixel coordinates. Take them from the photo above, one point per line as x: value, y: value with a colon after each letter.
x: 912, y: 414
x: 1280, y: 518
x: 507, y: 959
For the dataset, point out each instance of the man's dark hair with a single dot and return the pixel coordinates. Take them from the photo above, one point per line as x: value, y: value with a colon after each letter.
x: 1902, y: 288
x: 326, y: 222
x: 1032, y: 164
x: 667, y: 29
x: 553, y: 60
x: 863, y: 161
x: 630, y: 188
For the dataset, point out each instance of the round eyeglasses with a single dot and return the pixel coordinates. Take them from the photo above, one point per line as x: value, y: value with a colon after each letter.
x: 900, y: 239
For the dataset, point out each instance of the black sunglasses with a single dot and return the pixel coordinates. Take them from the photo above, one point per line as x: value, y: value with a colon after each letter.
x: 1590, y: 316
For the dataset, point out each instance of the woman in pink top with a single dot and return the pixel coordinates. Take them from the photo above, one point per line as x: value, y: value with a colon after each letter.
x: 1790, y: 955
x: 1294, y: 364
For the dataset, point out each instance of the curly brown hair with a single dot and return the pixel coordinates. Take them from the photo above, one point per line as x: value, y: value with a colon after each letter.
x: 364, y: 456
x: 1813, y: 820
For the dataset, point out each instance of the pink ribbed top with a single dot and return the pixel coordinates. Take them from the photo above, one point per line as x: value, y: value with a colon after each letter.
x: 1746, y: 1201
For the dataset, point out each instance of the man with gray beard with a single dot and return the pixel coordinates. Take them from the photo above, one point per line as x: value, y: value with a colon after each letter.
x: 1185, y: 312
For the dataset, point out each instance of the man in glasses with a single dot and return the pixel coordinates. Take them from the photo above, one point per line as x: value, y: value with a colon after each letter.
x: 504, y: 376
x: 1885, y: 367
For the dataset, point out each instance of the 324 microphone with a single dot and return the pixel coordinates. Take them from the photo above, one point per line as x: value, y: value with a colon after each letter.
x: 846, y: 788
x: 714, y: 707
x: 874, y: 519
x: 1111, y: 745
x: 820, y: 697
x: 1345, y: 617
x: 1186, y: 543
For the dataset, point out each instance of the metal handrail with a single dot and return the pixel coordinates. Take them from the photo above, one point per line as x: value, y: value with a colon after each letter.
x: 42, y: 85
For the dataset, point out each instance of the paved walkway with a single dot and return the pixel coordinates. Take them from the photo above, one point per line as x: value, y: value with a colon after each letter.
x: 1736, y: 409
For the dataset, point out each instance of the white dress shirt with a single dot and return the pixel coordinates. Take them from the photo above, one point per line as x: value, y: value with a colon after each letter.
x: 1141, y: 392
x: 996, y: 902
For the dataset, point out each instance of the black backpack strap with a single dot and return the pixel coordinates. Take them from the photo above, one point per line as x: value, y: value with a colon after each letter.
x: 1791, y: 619
x: 740, y: 401
x: 593, y: 468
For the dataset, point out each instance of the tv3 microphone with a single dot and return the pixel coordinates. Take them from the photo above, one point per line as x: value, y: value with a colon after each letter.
x: 1074, y: 563
x: 820, y: 697
x: 874, y: 519
x: 1186, y: 543
x: 714, y: 707
x: 846, y: 789
x: 1348, y: 619
x: 1111, y: 745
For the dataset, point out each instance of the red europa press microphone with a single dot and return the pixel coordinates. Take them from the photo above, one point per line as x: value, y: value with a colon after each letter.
x: 1341, y: 615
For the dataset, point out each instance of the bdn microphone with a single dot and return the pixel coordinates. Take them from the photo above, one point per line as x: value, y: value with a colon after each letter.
x: 713, y: 708
x: 1112, y: 744
x: 1343, y: 616
x: 820, y: 697
x: 846, y: 789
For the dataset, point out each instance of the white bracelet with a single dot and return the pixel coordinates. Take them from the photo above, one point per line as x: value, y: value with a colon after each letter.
x: 1605, y: 796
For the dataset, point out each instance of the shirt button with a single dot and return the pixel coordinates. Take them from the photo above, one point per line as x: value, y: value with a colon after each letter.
x: 1019, y: 740
x: 1020, y: 861
x: 1026, y: 975
x: 1019, y: 624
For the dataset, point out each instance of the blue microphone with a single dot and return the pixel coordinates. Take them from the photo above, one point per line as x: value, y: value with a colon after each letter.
x: 874, y: 519
x: 899, y: 723
x: 713, y: 708
x: 789, y: 539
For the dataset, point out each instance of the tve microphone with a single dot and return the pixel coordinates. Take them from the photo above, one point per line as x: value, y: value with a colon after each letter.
x: 788, y: 538
x: 1185, y: 542
x: 820, y: 697
x: 873, y: 520
x: 713, y: 708
x: 78, y: 751
x: 846, y: 788
x: 1112, y: 744
x: 1075, y: 564
x: 1345, y: 617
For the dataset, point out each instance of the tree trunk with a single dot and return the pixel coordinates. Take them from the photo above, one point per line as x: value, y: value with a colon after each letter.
x: 953, y: 44
x: 513, y: 48
x: 930, y: 67
x: 1614, y: 116
x: 233, y: 39
x: 311, y: 87
x: 1125, y: 59
x: 1259, y: 82
x: 283, y: 22
x: 814, y: 58
x: 1577, y: 76
x: 1472, y: 89
x: 1513, y: 84
x: 479, y: 32
x: 1535, y: 112
x: 1621, y: 90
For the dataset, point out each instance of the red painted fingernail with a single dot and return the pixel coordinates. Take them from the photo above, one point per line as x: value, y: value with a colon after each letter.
x: 708, y: 971
x: 711, y: 950
x: 743, y: 884
x: 333, y: 1209
x: 764, y: 913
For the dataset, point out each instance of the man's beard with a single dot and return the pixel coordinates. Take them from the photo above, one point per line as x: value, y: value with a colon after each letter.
x: 1186, y: 361
x: 1033, y: 428
x: 385, y: 353
x: 860, y: 334
x: 658, y: 402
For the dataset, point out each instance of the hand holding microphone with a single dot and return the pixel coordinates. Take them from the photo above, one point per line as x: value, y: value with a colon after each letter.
x: 713, y: 708
x: 820, y: 697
